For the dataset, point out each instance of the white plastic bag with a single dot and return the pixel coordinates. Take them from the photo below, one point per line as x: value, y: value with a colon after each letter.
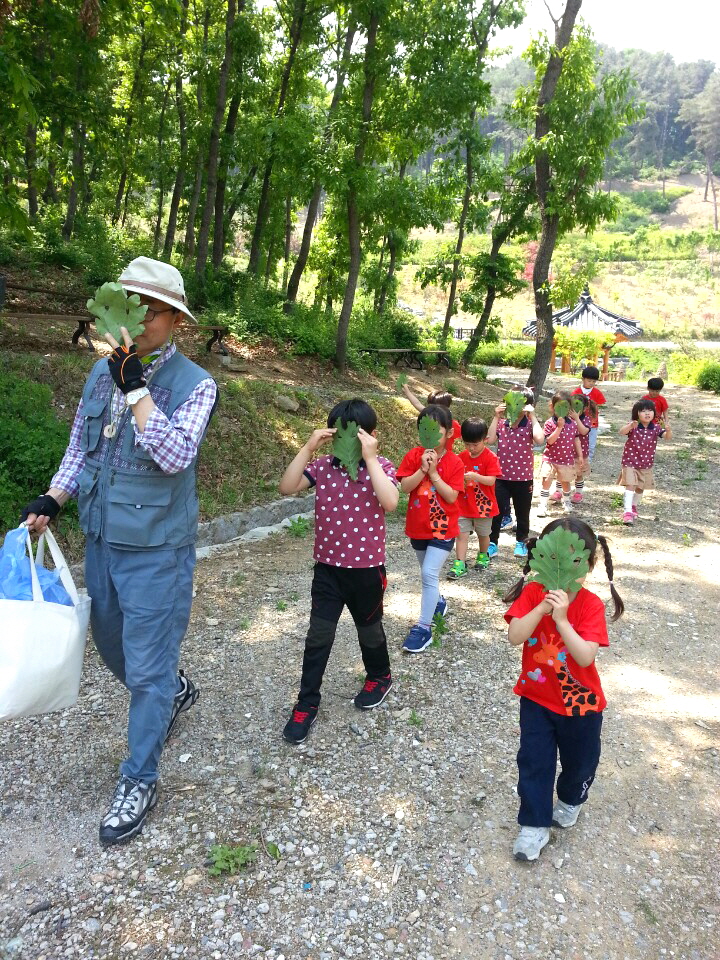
x: 42, y: 644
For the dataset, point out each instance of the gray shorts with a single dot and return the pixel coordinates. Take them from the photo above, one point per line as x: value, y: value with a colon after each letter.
x: 481, y: 525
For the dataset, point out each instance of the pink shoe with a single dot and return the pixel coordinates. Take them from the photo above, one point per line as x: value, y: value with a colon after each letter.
x: 556, y: 495
x: 577, y: 498
x: 628, y: 519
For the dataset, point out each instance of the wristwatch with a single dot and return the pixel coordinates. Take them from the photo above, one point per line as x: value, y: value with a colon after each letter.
x: 133, y: 396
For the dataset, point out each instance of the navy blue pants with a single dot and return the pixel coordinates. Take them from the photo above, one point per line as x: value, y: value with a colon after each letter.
x: 544, y: 734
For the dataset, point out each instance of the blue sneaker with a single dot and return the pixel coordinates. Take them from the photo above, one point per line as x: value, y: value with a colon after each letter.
x: 441, y: 607
x: 418, y: 639
x: 520, y: 549
x: 492, y: 550
x: 506, y: 522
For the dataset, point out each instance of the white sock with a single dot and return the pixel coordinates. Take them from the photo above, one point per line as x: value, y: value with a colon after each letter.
x: 637, y: 499
x: 628, y: 500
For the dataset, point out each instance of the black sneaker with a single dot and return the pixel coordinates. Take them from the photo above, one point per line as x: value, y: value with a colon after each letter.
x: 298, y: 726
x: 373, y: 693
x: 185, y: 698
x: 132, y: 802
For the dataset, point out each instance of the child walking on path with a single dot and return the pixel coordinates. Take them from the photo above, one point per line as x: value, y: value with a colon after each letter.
x: 433, y: 479
x: 561, y: 451
x: 655, y: 387
x: 561, y: 698
x: 349, y: 559
x: 636, y: 473
x: 515, y: 453
x: 477, y: 502
x: 582, y: 461
x: 438, y: 398
x: 588, y: 388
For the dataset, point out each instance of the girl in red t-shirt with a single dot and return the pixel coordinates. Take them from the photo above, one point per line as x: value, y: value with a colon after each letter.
x: 433, y: 478
x: 561, y: 698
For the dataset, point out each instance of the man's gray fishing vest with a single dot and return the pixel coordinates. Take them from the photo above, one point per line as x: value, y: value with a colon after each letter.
x: 125, y: 497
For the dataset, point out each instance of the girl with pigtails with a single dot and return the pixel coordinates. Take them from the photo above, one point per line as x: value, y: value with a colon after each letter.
x: 561, y: 698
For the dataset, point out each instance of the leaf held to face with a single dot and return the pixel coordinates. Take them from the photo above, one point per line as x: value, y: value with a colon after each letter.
x: 429, y: 432
x: 346, y: 446
x: 113, y: 309
x: 514, y: 403
x: 559, y: 559
x: 561, y: 408
x: 578, y: 403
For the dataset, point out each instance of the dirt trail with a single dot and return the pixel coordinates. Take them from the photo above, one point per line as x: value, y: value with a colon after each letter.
x: 395, y: 829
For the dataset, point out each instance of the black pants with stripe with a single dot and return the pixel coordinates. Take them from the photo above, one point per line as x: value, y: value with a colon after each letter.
x: 520, y: 492
x: 333, y: 589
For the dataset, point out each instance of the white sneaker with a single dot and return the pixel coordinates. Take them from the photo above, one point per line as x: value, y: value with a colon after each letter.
x: 132, y: 802
x: 530, y: 842
x: 564, y: 815
x: 568, y: 507
x: 542, y: 510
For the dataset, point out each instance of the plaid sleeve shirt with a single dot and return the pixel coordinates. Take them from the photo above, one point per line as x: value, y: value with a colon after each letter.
x: 172, y: 442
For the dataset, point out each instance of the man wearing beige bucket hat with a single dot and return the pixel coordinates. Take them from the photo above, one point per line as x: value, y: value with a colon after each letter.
x: 131, y: 462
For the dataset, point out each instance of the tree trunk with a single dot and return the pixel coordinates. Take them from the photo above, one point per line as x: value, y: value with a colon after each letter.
x: 161, y: 171
x: 127, y: 152
x: 31, y: 169
x: 76, y: 184
x: 452, y: 293
x: 393, y: 251
x: 214, y: 145
x: 353, y: 213
x: 126, y: 204
x: 312, y: 211
x: 549, y: 220
x: 237, y: 199
x: 219, y: 223
x: 180, y: 175
x: 288, y: 238
x: 263, y: 209
x: 189, y: 243
x: 50, y: 194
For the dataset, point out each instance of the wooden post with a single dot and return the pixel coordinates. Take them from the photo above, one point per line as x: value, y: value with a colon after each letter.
x: 552, y: 357
x: 606, y: 362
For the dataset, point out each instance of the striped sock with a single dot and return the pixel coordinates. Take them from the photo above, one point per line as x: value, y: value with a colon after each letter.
x: 579, y: 485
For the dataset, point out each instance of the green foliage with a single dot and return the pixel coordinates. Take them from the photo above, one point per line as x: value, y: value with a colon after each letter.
x: 559, y: 559
x: 115, y: 309
x: 514, y: 403
x: 428, y: 432
x: 32, y: 444
x: 439, y: 629
x: 401, y: 381
x: 505, y: 355
x: 415, y: 720
x: 576, y: 402
x: 562, y: 408
x: 299, y: 527
x: 708, y: 377
x: 346, y: 447
x: 230, y: 859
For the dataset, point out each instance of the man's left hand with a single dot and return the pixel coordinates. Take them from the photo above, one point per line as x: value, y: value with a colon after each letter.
x: 125, y: 365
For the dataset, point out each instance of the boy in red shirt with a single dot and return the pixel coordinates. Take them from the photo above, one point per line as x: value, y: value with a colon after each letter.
x: 478, y: 504
x: 590, y: 377
x: 655, y: 385
x: 433, y: 479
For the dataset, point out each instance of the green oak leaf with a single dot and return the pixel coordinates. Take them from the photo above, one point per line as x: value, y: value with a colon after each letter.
x: 401, y: 381
x: 114, y: 309
x: 561, y: 408
x: 429, y: 432
x: 514, y: 403
x: 559, y: 559
x: 346, y: 447
x: 577, y: 403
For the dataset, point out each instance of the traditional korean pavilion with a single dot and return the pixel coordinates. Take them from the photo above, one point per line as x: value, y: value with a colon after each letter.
x: 587, y: 315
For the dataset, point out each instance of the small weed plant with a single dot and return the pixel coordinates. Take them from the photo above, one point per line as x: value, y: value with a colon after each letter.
x: 230, y: 859
x: 414, y: 719
x: 281, y: 605
x: 299, y: 527
x: 439, y: 629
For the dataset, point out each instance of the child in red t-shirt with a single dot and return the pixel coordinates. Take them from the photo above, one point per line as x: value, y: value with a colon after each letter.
x: 655, y: 386
x: 478, y: 504
x: 434, y: 479
x: 590, y: 377
x: 561, y: 698
x: 438, y: 398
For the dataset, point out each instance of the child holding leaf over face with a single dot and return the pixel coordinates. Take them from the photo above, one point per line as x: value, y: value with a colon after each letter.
x: 433, y: 477
x: 354, y: 488
x: 436, y: 398
x: 562, y: 438
x: 561, y: 627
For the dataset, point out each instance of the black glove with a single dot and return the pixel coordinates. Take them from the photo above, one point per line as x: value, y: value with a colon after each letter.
x: 43, y: 506
x: 126, y: 368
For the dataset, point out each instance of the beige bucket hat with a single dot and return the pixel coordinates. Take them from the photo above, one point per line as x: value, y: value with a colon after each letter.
x: 157, y: 279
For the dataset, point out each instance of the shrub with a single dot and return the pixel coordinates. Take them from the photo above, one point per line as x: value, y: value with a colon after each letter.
x: 708, y: 377
x: 32, y: 443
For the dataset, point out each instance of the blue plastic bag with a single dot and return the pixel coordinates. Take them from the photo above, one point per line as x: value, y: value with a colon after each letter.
x: 15, y: 579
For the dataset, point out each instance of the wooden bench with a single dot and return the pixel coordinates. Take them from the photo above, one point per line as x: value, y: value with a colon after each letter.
x: 407, y: 356
x: 218, y: 333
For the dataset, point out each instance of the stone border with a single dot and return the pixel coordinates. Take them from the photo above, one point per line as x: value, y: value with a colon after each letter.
x: 232, y: 526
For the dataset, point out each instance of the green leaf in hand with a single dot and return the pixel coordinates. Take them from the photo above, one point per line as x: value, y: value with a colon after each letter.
x: 114, y: 309
x: 559, y: 559
x: 429, y: 432
x: 346, y: 447
x: 578, y: 403
x: 514, y: 403
x: 401, y: 381
x: 561, y: 408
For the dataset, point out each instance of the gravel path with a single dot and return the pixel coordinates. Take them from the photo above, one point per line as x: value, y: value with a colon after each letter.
x: 395, y: 829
